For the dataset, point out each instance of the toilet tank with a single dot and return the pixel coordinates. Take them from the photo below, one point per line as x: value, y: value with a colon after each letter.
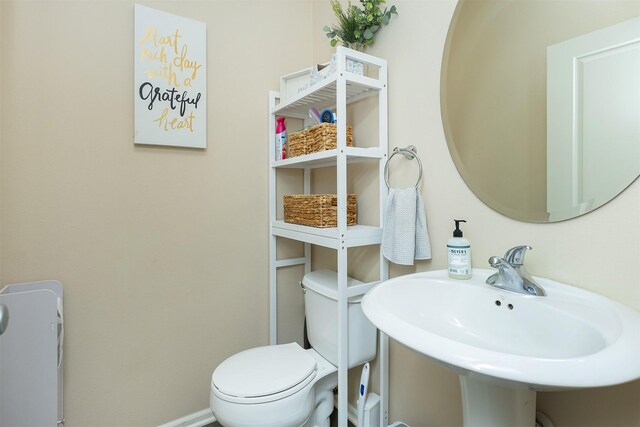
x: 321, y: 309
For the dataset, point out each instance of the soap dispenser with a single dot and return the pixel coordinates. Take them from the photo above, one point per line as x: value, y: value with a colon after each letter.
x: 459, y: 254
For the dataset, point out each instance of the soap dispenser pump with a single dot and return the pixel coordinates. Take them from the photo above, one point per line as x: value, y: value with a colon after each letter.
x: 459, y: 254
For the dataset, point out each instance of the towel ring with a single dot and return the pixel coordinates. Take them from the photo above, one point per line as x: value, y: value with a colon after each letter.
x: 410, y: 152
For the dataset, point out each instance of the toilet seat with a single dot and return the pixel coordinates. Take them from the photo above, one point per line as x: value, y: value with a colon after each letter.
x: 263, y: 374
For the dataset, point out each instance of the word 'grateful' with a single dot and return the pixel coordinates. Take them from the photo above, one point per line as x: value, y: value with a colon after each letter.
x: 175, y: 99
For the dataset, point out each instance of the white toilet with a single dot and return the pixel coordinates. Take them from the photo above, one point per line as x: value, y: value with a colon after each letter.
x: 285, y: 385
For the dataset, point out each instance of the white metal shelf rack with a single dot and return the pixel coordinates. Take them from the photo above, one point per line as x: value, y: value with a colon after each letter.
x: 336, y: 92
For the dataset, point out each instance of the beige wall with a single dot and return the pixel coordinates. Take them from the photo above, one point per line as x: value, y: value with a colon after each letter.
x: 163, y: 252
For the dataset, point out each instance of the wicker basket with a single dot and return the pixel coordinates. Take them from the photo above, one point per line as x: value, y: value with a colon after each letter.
x: 297, y: 144
x: 316, y: 138
x: 317, y: 210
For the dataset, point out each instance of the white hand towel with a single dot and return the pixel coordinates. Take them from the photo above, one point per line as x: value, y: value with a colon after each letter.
x: 423, y: 244
x: 404, y: 234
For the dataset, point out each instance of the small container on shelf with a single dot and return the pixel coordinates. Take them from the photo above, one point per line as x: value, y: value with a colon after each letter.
x: 317, y: 210
x: 298, y: 143
x: 316, y: 138
x: 294, y: 84
x: 281, y: 139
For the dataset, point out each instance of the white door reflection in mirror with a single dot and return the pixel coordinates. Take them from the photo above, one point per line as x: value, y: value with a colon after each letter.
x: 593, y: 118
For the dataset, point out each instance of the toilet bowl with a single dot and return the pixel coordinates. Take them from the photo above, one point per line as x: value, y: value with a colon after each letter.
x: 286, y: 385
x: 274, y: 386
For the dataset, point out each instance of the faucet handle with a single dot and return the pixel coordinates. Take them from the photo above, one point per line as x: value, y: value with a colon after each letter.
x: 506, y: 277
x: 515, y: 256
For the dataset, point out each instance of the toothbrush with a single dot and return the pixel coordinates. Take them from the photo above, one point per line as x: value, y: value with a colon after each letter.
x: 362, y: 393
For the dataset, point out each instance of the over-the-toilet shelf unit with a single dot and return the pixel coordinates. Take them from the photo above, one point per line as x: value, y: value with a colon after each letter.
x: 336, y: 93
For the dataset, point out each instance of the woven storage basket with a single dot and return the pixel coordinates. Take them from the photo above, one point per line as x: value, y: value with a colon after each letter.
x: 297, y: 145
x: 316, y: 138
x: 317, y: 210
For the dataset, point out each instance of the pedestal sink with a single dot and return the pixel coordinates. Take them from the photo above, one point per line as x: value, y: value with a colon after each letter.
x: 506, y: 346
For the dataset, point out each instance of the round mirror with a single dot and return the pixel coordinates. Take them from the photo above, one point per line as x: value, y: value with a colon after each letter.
x: 541, y: 103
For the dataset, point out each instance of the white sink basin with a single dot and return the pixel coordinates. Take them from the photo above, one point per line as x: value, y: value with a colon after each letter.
x: 570, y: 338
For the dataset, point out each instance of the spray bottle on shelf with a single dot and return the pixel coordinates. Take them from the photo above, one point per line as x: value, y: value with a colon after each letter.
x: 281, y: 139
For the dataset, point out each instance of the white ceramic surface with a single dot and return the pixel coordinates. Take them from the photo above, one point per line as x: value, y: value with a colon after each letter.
x: 571, y: 338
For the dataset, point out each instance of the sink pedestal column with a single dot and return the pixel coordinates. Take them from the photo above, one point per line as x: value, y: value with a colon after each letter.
x: 487, y: 403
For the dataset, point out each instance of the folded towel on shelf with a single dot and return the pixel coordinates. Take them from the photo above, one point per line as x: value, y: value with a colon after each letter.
x: 405, y: 237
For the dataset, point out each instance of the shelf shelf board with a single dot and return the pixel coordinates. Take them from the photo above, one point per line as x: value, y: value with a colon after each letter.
x: 328, y: 158
x: 333, y: 93
x: 323, y: 95
x: 356, y: 235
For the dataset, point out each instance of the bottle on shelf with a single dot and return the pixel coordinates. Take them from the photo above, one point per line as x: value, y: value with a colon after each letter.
x: 281, y: 139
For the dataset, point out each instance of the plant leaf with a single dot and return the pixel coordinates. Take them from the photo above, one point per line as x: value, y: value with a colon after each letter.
x: 357, y: 25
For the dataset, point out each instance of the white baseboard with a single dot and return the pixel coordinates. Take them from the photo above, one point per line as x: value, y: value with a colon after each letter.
x: 197, y: 419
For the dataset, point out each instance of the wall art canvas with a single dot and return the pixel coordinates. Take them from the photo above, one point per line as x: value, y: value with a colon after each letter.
x: 170, y: 80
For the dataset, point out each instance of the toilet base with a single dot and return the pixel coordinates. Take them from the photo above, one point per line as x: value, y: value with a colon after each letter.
x: 324, y: 401
x: 309, y: 407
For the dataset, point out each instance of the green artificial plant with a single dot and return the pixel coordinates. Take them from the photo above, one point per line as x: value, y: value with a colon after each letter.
x: 357, y: 27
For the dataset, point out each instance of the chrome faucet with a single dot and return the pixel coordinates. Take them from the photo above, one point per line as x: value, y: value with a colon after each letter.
x: 512, y: 275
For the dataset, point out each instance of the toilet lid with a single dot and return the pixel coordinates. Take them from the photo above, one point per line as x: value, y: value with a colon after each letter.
x: 263, y: 371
